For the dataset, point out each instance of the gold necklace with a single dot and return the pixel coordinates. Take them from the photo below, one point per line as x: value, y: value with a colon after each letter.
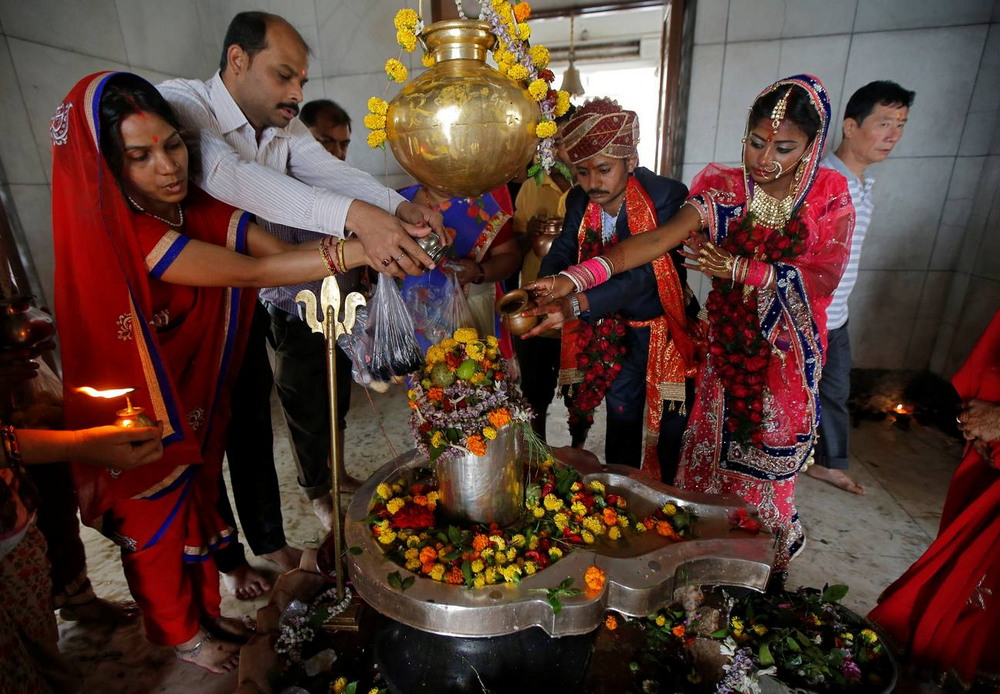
x: 175, y: 225
x: 770, y: 212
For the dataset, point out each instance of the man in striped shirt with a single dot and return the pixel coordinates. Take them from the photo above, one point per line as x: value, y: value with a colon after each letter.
x: 873, y: 123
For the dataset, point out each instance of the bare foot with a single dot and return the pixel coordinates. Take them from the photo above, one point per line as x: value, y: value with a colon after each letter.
x: 235, y: 629
x: 323, y: 508
x: 100, y: 610
x: 838, y: 478
x: 245, y: 582
x: 287, y: 558
x: 217, y: 657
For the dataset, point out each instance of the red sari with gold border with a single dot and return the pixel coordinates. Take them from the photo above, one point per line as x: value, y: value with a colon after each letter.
x: 179, y: 347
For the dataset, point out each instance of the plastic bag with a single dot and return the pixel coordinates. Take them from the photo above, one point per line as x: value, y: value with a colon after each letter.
x: 455, y: 312
x: 395, y: 352
x: 424, y: 300
x: 357, y: 344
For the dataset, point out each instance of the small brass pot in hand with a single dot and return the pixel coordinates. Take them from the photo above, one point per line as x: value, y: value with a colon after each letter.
x: 511, y: 307
x: 549, y: 230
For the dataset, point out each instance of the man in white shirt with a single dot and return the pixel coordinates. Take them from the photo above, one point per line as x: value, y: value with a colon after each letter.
x: 873, y: 123
x: 257, y: 156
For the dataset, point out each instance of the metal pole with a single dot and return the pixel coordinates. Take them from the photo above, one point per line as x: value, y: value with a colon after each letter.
x: 330, y: 333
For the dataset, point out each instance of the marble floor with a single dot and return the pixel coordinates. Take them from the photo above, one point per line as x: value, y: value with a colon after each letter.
x: 863, y: 541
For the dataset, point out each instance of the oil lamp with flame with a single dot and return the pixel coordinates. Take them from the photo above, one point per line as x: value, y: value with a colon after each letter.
x: 130, y: 416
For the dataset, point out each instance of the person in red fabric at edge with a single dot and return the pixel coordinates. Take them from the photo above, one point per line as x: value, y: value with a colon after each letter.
x: 148, y: 296
x: 944, y: 612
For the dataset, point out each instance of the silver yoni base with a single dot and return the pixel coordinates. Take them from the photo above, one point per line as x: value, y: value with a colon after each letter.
x: 642, y: 571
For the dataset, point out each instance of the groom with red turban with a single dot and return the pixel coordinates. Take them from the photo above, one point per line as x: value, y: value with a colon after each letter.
x: 626, y: 340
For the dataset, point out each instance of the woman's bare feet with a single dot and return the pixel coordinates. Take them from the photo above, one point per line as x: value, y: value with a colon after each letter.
x: 287, y: 558
x: 838, y: 478
x: 235, y: 629
x: 245, y: 582
x: 218, y: 657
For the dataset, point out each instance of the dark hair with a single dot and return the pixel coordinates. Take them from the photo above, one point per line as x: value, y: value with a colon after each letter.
x: 882, y: 92
x: 324, y: 107
x: 248, y: 30
x: 799, y: 110
x: 125, y: 94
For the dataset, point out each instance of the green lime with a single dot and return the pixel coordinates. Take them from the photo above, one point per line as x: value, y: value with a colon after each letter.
x: 467, y: 369
x: 441, y: 375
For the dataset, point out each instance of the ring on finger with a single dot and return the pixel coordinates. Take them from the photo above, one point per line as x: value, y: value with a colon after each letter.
x: 399, y: 257
x: 386, y: 261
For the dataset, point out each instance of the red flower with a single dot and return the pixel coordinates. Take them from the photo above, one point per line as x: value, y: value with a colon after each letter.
x: 412, y: 516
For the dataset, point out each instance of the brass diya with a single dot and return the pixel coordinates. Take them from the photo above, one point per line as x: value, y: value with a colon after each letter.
x: 511, y: 307
x: 461, y: 127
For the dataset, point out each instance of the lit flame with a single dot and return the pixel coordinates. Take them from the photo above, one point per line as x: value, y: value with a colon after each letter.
x: 107, y: 394
x: 900, y: 408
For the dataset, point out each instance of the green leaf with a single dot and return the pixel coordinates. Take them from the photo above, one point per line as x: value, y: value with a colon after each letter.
x: 564, y: 170
x: 395, y: 580
x: 835, y: 593
x: 467, y: 572
x: 452, y: 556
x: 454, y: 535
x: 407, y: 582
x: 720, y: 634
x: 355, y: 550
x: 351, y: 688
x: 556, y: 605
x: 792, y: 643
x: 534, y: 169
x: 566, y: 583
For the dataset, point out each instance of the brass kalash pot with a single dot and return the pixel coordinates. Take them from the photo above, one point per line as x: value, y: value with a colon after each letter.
x: 461, y: 127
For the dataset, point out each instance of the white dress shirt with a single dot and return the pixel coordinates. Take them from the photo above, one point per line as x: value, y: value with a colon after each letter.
x: 286, y: 178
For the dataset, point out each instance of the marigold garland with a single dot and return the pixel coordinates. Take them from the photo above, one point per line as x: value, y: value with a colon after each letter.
x: 561, y: 512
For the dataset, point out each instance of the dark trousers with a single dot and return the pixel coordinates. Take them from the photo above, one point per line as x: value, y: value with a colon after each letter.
x: 834, y: 390
x: 250, y: 450
x: 538, y: 358
x: 300, y: 375
x: 57, y: 520
x: 626, y: 401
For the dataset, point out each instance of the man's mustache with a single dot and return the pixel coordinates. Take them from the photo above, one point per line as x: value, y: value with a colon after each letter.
x: 294, y: 107
x: 597, y: 191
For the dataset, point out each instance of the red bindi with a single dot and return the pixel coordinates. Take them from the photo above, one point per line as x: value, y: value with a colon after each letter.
x: 155, y: 139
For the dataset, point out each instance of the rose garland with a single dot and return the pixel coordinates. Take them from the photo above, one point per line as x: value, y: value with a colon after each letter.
x: 739, y: 351
x: 601, y: 350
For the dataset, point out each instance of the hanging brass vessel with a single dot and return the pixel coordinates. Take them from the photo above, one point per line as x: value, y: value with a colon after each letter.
x: 461, y: 127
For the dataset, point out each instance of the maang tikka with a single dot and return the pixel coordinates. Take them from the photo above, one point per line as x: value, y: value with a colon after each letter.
x: 778, y: 113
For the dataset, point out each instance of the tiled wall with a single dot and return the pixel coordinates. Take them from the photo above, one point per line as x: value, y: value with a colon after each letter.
x: 930, y: 273
x: 930, y: 277
x: 46, y: 46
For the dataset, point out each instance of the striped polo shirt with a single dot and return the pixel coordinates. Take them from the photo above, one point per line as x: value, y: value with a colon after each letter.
x: 861, y: 197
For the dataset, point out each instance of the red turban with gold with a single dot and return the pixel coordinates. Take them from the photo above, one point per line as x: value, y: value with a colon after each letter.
x: 601, y: 126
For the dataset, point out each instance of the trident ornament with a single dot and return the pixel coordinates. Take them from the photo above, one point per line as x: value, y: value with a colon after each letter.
x: 332, y: 328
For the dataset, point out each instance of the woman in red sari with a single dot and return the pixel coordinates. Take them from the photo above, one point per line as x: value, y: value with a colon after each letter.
x: 778, y: 236
x: 148, y: 295
x: 944, y: 612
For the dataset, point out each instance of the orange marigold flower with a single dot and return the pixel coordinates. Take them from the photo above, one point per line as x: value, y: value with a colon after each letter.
x: 594, y: 578
x: 610, y: 516
x: 499, y: 417
x: 522, y: 11
x: 435, y: 394
x: 610, y: 622
x: 476, y: 444
x: 648, y: 523
x: 454, y: 576
x: 420, y: 500
x: 678, y: 631
x: 664, y: 528
x: 480, y: 542
x: 428, y: 554
x: 427, y: 567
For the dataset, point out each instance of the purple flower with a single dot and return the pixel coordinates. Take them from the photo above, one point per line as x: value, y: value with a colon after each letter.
x: 850, y: 669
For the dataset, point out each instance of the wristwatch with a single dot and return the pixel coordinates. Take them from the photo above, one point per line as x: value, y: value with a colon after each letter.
x: 574, y: 305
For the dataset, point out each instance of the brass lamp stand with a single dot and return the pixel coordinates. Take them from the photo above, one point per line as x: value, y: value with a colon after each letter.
x: 332, y: 328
